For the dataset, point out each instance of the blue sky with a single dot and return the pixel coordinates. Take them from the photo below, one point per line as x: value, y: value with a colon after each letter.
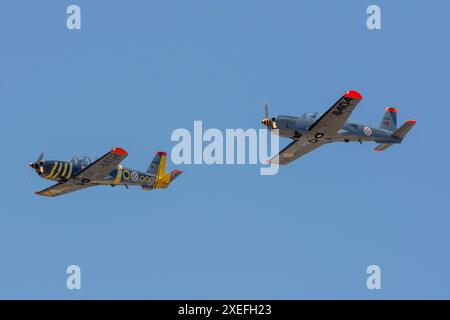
x: 139, y: 69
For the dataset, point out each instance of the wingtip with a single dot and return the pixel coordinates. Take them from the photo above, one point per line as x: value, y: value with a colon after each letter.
x: 178, y: 171
x: 353, y: 94
x: 119, y: 151
x: 161, y: 153
x: 411, y: 121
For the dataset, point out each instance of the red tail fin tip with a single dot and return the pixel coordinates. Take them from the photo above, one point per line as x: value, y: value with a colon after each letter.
x: 391, y: 110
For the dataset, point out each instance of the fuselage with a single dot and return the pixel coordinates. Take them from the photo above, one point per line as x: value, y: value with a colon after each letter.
x: 296, y: 127
x: 64, y: 170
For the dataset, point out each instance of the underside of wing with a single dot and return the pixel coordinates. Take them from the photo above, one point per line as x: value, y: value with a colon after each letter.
x: 103, y: 166
x: 295, y: 150
x: 334, y: 119
x: 62, y: 188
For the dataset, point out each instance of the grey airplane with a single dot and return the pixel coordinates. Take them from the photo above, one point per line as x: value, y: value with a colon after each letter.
x: 311, y: 131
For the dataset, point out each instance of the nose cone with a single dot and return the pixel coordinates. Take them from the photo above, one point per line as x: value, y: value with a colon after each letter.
x: 32, y: 165
x: 265, y: 121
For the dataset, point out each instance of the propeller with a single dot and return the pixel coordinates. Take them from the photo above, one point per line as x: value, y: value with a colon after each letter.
x: 41, y: 156
x: 266, y: 110
x: 37, y: 164
x: 266, y: 121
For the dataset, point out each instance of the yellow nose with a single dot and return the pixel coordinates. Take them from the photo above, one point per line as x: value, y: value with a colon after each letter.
x: 265, y: 122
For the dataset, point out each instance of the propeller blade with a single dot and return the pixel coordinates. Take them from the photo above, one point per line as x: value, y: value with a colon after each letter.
x: 41, y: 156
x: 266, y: 110
x: 266, y: 115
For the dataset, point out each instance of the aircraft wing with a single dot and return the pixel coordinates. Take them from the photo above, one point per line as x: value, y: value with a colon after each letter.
x: 295, y: 150
x: 101, y: 167
x: 333, y: 120
x: 62, y: 188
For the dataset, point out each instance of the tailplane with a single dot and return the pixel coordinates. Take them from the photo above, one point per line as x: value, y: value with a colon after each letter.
x: 164, y: 181
x: 400, y: 133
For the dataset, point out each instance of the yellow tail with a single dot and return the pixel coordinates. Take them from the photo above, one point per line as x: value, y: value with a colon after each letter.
x: 158, y: 167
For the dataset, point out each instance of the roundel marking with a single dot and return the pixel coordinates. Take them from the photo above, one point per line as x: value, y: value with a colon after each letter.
x: 134, y: 176
x: 367, y: 131
x: 126, y: 174
x: 288, y: 155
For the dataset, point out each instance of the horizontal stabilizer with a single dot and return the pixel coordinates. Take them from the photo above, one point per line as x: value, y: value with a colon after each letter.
x: 164, y: 181
x: 401, y: 132
x: 174, y: 174
x: 382, y: 147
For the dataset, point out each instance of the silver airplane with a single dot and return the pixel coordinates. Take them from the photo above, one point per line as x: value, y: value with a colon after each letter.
x: 311, y: 131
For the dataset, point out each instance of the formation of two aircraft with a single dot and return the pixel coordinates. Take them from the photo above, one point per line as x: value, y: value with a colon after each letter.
x: 308, y: 132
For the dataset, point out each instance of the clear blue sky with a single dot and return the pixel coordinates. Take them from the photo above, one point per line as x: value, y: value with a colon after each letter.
x: 139, y: 69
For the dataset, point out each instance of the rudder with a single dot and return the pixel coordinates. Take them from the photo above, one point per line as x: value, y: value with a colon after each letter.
x: 158, y: 164
x: 389, y: 121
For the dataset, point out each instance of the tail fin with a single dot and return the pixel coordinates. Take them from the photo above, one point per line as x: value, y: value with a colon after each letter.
x: 158, y: 164
x: 158, y: 168
x: 400, y: 133
x: 389, y: 121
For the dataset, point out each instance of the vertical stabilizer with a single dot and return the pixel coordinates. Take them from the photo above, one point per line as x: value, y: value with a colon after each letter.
x: 389, y: 121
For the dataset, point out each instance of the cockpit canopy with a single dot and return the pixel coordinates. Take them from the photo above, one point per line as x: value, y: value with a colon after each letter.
x: 82, y: 161
x: 310, y: 115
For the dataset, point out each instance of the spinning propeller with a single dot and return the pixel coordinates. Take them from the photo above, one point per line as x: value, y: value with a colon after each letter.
x: 267, y: 121
x: 37, y: 165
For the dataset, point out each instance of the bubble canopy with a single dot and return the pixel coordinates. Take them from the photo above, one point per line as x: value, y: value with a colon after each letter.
x: 310, y: 115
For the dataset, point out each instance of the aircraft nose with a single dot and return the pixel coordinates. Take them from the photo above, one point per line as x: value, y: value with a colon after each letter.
x: 32, y: 165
